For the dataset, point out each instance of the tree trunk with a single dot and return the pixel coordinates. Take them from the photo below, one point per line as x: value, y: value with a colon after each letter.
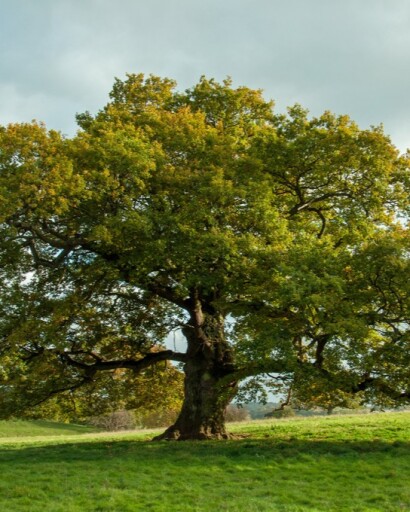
x: 208, y: 386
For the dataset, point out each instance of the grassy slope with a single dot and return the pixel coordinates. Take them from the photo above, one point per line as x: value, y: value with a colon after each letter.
x: 21, y: 428
x: 359, y: 463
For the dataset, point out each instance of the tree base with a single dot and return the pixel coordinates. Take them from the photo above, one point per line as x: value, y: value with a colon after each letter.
x: 173, y: 433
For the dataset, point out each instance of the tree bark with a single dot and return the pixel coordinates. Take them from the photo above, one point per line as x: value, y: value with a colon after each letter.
x: 209, y: 383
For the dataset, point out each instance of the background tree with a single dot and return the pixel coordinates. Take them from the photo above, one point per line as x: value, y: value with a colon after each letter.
x: 275, y: 243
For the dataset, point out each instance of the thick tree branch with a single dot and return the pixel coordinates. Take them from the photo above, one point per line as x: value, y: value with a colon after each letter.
x: 167, y: 293
x: 381, y: 385
x: 320, y: 347
x: 45, y: 237
x: 132, y: 364
x: 40, y: 261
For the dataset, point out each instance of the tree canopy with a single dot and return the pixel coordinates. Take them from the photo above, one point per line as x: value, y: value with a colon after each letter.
x: 277, y: 244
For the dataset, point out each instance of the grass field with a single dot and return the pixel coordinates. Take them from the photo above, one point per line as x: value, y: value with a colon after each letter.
x: 19, y: 429
x: 346, y: 463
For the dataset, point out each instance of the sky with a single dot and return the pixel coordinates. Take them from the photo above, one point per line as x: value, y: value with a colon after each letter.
x: 60, y: 57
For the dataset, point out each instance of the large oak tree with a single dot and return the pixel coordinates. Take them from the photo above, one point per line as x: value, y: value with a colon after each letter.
x: 275, y: 243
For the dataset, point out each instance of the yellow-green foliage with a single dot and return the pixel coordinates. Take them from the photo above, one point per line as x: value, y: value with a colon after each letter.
x: 169, y: 208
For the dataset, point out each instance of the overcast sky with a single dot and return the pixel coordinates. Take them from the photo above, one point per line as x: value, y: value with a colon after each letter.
x: 60, y: 57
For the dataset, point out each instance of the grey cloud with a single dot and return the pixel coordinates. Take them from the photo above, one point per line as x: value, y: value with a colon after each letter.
x: 58, y: 58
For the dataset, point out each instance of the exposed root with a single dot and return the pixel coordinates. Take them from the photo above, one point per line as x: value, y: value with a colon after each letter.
x: 173, y: 433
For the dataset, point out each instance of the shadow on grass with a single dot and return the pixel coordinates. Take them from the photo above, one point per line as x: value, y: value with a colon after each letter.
x: 247, y: 475
x: 208, y: 451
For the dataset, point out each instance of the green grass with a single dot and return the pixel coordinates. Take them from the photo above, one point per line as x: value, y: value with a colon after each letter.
x: 21, y: 428
x: 353, y: 463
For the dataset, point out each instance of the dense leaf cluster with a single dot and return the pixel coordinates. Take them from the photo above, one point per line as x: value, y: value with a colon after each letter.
x: 168, y: 209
